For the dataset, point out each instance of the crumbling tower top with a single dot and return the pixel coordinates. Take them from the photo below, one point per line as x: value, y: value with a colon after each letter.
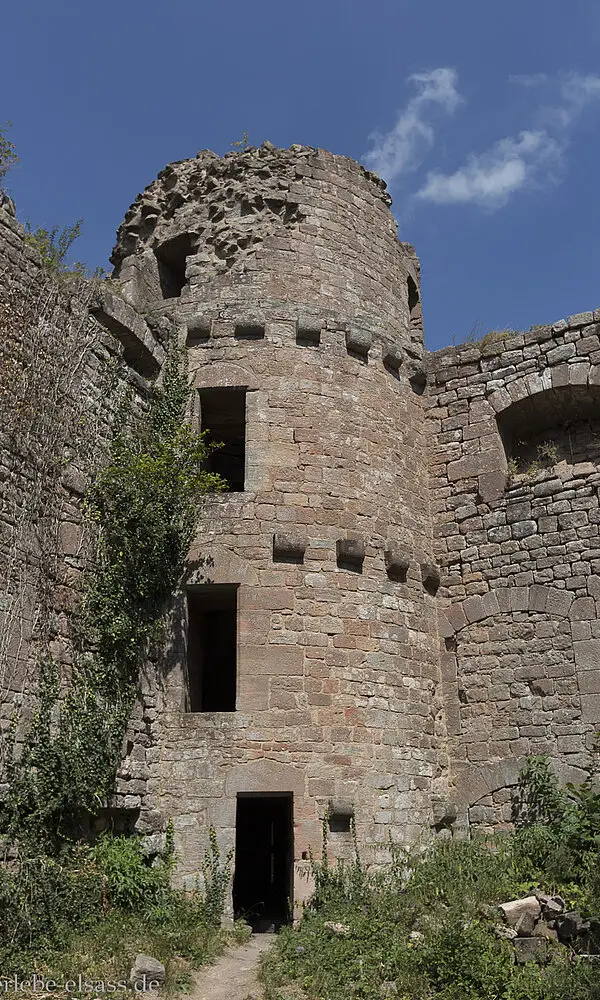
x: 292, y: 230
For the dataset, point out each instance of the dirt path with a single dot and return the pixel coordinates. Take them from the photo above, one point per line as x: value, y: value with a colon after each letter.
x: 234, y: 976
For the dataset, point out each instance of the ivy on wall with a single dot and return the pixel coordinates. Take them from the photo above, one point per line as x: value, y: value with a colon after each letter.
x: 144, y: 505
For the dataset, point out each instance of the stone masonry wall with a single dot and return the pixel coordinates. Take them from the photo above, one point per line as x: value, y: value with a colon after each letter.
x: 259, y: 226
x: 516, y: 500
x: 416, y: 548
x: 56, y: 402
x: 307, y: 308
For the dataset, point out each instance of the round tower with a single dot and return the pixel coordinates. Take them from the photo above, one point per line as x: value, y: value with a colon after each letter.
x: 304, y: 679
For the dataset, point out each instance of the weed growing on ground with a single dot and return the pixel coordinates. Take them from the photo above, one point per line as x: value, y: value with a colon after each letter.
x: 425, y: 927
x: 89, y: 910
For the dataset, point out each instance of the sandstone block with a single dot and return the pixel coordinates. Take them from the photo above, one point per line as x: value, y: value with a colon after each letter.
x: 528, y: 949
x: 587, y: 654
x: 146, y: 970
x: 515, y: 909
x: 580, y: 319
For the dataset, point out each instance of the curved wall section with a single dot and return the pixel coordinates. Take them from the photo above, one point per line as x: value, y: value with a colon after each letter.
x: 273, y: 228
x: 295, y: 310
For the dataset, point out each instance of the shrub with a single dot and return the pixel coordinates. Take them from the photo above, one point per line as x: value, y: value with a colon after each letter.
x: 424, y: 928
x: 41, y: 899
x: 558, y: 831
x: 217, y: 876
x: 143, y: 505
x: 53, y: 246
x: 462, y: 961
x: 131, y: 881
x: 8, y: 153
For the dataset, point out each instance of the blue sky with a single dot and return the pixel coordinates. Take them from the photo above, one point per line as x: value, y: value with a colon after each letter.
x: 483, y: 118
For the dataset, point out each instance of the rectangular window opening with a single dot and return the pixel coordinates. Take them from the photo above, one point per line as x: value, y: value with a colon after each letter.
x: 223, y: 414
x: 212, y: 648
x: 340, y: 823
x: 172, y: 258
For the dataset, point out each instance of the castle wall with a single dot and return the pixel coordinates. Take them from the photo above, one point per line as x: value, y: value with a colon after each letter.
x: 516, y: 501
x: 61, y: 370
x: 414, y: 553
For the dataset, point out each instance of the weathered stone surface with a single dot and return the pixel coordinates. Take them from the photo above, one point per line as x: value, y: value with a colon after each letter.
x: 336, y: 928
x: 521, y: 910
x: 570, y: 925
x: 458, y: 632
x: 504, y: 932
x: 530, y: 949
x: 545, y: 930
x: 289, y: 548
x: 146, y: 970
x: 7, y: 204
x: 142, y: 350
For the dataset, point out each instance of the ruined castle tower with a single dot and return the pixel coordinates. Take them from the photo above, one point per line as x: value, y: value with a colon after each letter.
x: 398, y: 598
x: 306, y: 678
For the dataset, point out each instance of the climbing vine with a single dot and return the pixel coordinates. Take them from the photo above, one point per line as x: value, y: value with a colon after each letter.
x: 143, y: 504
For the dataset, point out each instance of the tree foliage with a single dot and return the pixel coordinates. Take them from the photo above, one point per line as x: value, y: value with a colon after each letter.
x: 53, y: 246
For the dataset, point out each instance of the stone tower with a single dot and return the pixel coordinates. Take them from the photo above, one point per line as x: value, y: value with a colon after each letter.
x: 320, y: 666
x: 304, y: 678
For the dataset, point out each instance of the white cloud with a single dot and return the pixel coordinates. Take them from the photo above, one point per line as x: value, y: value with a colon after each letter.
x: 489, y: 179
x: 573, y: 93
x: 576, y: 92
x: 533, y: 157
x: 404, y: 148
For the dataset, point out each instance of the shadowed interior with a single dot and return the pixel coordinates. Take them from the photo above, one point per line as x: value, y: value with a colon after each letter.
x: 263, y: 860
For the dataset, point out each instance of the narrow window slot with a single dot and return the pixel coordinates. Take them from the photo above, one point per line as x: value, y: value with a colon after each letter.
x: 223, y: 413
x: 172, y: 261
x: 414, y: 304
x: 212, y: 648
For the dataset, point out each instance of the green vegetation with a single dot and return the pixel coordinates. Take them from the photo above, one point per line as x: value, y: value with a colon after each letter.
x: 428, y: 928
x: 243, y: 143
x: 92, y: 909
x: 144, y: 504
x: 53, y: 246
x: 498, y: 339
x: 495, y: 341
x: 68, y: 903
x: 547, y: 456
x: 8, y: 153
x: 71, y: 903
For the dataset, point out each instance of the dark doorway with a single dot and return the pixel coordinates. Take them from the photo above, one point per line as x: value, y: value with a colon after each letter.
x: 264, y: 851
x: 223, y: 414
x: 212, y: 648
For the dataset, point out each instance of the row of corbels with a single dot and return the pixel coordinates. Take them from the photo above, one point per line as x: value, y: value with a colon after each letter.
x: 350, y: 555
x: 308, y: 333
